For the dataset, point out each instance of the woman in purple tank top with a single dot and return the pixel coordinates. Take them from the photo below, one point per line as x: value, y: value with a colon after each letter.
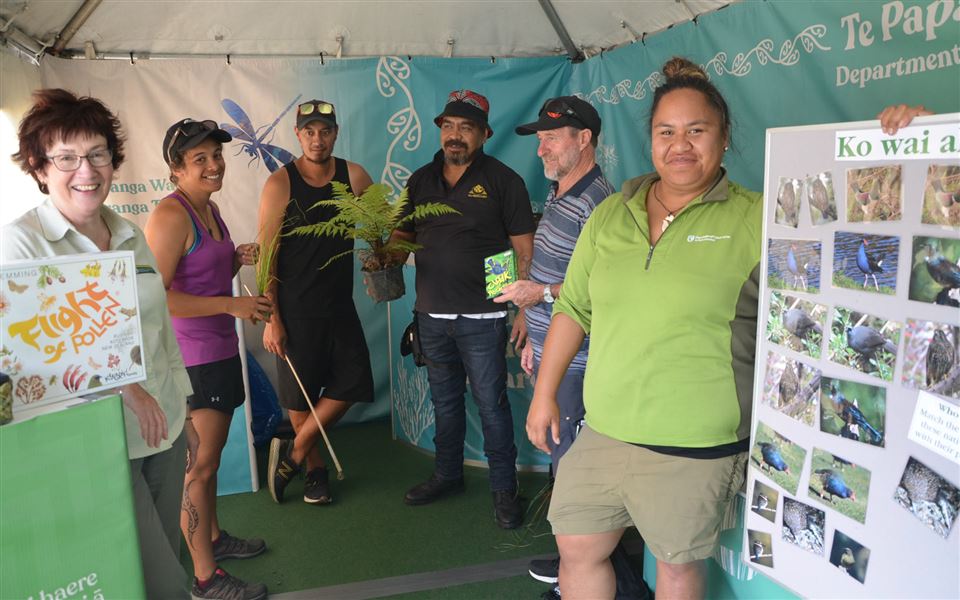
x: 198, y: 260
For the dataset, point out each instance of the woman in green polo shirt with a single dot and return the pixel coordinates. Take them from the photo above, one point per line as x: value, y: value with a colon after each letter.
x: 664, y: 278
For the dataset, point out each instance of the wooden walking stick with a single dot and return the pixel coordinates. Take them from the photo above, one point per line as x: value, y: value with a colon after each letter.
x: 306, y: 396
x: 313, y: 412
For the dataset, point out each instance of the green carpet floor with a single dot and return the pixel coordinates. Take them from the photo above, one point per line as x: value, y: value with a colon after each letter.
x: 368, y: 532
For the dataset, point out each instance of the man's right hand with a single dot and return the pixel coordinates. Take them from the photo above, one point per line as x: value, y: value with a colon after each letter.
x: 275, y: 337
x: 543, y: 415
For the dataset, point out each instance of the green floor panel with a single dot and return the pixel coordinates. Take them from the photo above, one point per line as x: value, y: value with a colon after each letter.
x: 368, y: 532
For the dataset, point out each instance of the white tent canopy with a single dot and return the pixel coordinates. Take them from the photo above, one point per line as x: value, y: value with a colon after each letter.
x: 348, y: 28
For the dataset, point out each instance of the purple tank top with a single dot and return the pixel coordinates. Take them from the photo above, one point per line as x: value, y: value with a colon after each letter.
x: 206, y: 270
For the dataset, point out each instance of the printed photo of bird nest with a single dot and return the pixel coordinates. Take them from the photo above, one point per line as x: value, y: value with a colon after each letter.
x: 820, y: 198
x: 792, y: 388
x: 796, y: 324
x: 935, y: 271
x: 761, y: 548
x: 840, y: 484
x: 777, y: 457
x: 803, y: 525
x: 941, y: 196
x: 874, y: 194
x: 864, y: 342
x: 849, y: 556
x: 931, y: 357
x: 794, y: 265
x: 930, y: 497
x: 854, y: 411
x: 764, y: 500
x: 788, y: 202
x: 865, y: 263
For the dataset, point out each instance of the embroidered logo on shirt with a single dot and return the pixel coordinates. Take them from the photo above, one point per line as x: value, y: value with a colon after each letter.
x: 144, y: 269
x: 477, y: 191
x: 693, y: 239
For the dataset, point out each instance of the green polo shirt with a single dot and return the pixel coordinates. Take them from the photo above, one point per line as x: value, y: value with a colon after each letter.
x: 672, y: 327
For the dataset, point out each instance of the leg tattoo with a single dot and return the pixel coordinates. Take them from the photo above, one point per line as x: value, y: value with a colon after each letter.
x: 193, y: 516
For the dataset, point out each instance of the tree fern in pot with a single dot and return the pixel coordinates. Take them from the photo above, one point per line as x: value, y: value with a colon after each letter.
x: 371, y: 217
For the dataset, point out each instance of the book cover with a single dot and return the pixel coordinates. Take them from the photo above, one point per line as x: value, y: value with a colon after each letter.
x: 500, y: 270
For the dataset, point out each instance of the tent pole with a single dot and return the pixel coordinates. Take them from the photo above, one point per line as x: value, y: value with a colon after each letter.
x: 75, y: 23
x: 575, y: 54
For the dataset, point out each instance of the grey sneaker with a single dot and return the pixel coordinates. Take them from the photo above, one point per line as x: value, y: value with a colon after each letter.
x: 228, y: 546
x: 224, y: 586
x: 316, y: 488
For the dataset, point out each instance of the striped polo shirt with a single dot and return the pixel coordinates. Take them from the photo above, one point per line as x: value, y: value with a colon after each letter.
x: 563, y: 219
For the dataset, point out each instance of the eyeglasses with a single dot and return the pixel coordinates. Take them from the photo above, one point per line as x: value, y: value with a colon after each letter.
x: 71, y: 162
x: 556, y: 109
x: 189, y: 128
x: 318, y: 106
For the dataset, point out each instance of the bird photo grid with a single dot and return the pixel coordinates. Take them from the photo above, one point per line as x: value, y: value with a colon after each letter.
x: 854, y: 471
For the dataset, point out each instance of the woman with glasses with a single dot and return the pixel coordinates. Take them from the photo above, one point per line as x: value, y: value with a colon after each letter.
x: 71, y: 146
x: 198, y: 260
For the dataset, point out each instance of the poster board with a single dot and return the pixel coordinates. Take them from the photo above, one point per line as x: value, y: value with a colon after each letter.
x: 852, y: 489
x: 69, y: 326
x: 67, y: 524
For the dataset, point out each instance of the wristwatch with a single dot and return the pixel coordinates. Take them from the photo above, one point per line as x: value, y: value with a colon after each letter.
x: 547, y: 296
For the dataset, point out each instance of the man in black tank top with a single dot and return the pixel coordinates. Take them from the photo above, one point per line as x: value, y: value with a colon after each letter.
x: 316, y: 323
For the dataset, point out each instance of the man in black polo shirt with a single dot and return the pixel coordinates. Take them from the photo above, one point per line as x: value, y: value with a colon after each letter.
x: 462, y: 333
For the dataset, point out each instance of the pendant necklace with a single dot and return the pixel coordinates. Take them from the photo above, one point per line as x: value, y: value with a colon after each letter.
x: 203, y: 219
x: 670, y: 214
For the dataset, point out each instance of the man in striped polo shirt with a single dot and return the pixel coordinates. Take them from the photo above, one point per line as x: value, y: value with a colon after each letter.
x: 567, y: 129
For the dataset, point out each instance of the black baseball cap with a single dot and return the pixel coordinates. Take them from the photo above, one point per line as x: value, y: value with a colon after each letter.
x: 188, y: 133
x: 316, y: 110
x: 564, y: 111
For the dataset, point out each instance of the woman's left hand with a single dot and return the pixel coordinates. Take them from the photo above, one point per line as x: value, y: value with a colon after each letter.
x: 193, y: 443
x: 153, y: 421
x: 248, y: 254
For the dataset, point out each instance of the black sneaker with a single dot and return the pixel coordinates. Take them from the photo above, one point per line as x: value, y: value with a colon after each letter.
x: 546, y: 570
x: 506, y: 509
x: 228, y: 546
x: 551, y: 594
x: 316, y: 489
x: 432, y: 489
x: 280, y: 469
x: 224, y: 586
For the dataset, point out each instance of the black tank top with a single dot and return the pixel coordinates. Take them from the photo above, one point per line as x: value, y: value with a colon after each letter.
x: 305, y: 290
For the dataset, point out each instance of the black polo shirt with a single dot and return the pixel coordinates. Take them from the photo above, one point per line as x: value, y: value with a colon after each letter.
x: 493, y: 204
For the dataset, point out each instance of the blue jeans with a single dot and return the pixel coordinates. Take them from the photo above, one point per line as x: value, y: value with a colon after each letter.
x: 459, y: 349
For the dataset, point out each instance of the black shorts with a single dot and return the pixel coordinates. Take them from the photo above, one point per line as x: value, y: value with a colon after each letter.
x: 217, y: 385
x: 331, y: 358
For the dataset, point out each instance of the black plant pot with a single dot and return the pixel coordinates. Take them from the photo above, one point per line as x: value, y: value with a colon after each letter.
x: 385, y: 285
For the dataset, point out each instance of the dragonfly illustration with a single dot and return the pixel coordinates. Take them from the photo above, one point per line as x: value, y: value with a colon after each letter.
x: 254, y: 141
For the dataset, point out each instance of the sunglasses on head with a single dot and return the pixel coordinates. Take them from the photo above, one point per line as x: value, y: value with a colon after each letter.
x: 188, y: 129
x: 556, y: 109
x: 316, y: 106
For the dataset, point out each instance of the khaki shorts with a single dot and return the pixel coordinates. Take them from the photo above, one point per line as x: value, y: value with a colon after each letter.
x: 676, y: 503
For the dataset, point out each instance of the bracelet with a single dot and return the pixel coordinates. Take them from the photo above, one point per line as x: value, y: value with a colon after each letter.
x: 188, y: 419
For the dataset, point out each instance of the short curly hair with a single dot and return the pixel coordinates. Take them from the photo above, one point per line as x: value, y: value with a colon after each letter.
x: 58, y: 114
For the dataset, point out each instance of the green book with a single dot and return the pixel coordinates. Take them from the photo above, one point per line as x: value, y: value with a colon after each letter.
x: 500, y: 270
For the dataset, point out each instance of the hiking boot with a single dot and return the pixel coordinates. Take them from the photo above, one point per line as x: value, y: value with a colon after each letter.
x: 506, y: 509
x: 546, y: 570
x: 224, y: 586
x: 280, y: 468
x: 316, y: 489
x: 432, y: 489
x: 228, y: 546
